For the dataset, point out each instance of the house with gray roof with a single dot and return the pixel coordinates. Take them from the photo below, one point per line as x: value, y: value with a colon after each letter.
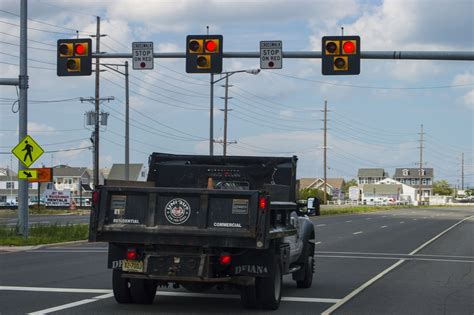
x: 9, y: 187
x: 411, y: 177
x: 370, y: 175
x: 74, y: 179
x: 137, y: 172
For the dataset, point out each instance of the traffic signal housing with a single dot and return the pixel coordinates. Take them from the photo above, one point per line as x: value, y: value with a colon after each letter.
x: 74, y: 57
x: 204, y: 53
x: 340, y: 55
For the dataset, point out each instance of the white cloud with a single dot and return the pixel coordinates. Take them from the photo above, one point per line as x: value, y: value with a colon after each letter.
x: 463, y: 79
x: 469, y: 100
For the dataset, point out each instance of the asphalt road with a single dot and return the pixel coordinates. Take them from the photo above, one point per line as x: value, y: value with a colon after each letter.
x: 411, y: 261
x: 49, y: 219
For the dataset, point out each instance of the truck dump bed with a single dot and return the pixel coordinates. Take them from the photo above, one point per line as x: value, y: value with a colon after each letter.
x: 200, y: 200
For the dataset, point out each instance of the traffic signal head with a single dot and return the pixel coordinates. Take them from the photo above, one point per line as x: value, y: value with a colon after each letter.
x: 74, y: 57
x: 204, y: 53
x: 340, y: 55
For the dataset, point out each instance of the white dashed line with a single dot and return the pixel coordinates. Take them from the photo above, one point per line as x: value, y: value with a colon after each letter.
x: 321, y: 225
x: 355, y: 233
x: 402, y: 222
x: 369, y: 219
x: 317, y: 243
x: 348, y: 221
x: 383, y: 226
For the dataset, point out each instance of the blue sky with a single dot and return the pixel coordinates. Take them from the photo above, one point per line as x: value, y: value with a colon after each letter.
x: 374, y: 118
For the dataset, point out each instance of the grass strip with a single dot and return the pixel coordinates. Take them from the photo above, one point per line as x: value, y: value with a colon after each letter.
x: 361, y: 209
x: 43, y: 234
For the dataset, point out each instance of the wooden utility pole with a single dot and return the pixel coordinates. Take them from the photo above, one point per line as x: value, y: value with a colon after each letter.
x: 420, y: 171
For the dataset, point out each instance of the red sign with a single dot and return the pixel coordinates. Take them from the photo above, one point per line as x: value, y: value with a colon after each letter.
x: 45, y: 175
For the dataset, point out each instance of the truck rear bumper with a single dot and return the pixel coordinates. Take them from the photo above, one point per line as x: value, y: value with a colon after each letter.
x: 238, y: 280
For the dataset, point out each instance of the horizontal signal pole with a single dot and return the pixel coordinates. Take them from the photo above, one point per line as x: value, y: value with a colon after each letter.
x: 407, y: 55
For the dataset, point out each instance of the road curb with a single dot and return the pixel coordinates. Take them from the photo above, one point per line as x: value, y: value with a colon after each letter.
x: 16, y: 249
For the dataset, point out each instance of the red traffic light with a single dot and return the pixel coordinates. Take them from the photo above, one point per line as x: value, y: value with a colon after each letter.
x: 349, y: 47
x: 211, y: 45
x: 80, y: 49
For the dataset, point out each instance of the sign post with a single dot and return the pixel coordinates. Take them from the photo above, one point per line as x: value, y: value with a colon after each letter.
x: 142, y: 54
x: 271, y: 54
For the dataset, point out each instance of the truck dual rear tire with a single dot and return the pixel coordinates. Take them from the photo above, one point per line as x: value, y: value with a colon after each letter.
x: 143, y: 291
x: 139, y: 291
x: 121, y: 287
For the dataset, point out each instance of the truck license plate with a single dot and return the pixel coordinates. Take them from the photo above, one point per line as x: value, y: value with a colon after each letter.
x: 132, y: 265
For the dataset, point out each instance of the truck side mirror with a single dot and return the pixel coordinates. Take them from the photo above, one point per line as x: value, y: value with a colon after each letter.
x: 313, y: 206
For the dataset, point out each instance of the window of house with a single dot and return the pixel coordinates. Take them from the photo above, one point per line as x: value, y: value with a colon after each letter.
x: 10, y: 185
x: 30, y: 185
x: 428, y: 181
x: 143, y: 174
x: 413, y: 181
x: 422, y: 172
x: 423, y: 181
x: 405, y: 172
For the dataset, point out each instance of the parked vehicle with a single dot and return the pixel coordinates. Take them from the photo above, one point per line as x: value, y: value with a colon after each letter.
x: 201, y: 221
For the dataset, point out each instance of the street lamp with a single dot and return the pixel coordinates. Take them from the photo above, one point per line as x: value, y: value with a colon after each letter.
x: 226, y: 76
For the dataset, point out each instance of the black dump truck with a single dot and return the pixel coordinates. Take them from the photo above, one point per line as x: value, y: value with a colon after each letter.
x: 204, y: 221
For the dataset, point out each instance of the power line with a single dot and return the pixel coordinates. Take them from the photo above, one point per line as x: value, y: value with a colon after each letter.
x: 30, y: 59
x: 30, y: 40
x: 37, y: 29
x: 35, y: 67
x: 41, y: 22
x: 36, y: 48
x: 375, y: 87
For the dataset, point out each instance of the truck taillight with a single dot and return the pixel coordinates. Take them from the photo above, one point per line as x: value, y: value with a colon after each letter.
x: 95, y: 197
x: 131, y: 254
x: 262, y: 203
x: 225, y: 260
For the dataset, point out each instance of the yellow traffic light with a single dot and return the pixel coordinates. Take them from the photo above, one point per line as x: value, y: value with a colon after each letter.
x: 203, y: 62
x: 332, y: 47
x: 74, y: 57
x: 204, y: 53
x: 195, y: 46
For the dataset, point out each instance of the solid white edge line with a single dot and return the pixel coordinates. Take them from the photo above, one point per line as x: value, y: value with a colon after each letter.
x: 73, y: 304
x: 383, y: 273
x: 392, y: 254
x: 58, y: 290
x: 394, y: 258
x: 355, y: 233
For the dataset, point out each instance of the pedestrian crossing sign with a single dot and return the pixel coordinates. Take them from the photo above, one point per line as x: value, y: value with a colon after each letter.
x: 27, y: 151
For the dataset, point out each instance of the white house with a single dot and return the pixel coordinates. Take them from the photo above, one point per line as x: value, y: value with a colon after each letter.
x: 407, y: 193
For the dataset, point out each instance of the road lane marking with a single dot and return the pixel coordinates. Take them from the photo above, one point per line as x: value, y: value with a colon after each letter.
x: 383, y: 226
x: 317, y: 243
x: 402, y: 222
x: 321, y: 225
x: 73, y: 304
x: 355, y: 233
x: 394, y: 254
x: 57, y: 290
x: 386, y: 271
x: 348, y: 221
x: 109, y: 294
x: 369, y: 219
x: 395, y: 258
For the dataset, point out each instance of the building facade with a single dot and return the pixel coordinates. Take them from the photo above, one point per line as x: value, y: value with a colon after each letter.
x: 412, y: 176
x: 370, y: 175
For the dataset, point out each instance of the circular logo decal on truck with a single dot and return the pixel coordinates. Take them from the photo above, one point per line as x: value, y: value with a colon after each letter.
x: 177, y: 211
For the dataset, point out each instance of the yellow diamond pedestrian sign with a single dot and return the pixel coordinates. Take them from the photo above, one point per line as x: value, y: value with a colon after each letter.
x: 27, y: 151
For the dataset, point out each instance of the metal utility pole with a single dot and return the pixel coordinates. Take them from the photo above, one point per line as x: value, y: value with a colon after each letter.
x: 462, y: 171
x: 226, y: 109
x: 23, y: 116
x: 97, y: 103
x: 127, y: 126
x: 420, y: 171
x: 211, y: 117
x: 127, y: 114
x: 325, y: 151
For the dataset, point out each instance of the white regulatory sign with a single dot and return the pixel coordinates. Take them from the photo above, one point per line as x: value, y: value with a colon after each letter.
x: 142, y: 54
x: 270, y: 54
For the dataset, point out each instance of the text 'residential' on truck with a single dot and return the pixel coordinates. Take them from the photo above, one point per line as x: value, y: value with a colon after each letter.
x: 201, y: 221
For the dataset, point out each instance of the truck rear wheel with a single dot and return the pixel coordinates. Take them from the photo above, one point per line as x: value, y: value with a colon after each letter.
x: 269, y: 289
x: 143, y: 291
x: 308, y: 274
x: 248, y: 296
x: 121, y: 287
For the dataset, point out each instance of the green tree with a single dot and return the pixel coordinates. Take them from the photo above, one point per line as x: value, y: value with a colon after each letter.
x: 442, y: 187
x: 350, y: 183
x: 305, y: 193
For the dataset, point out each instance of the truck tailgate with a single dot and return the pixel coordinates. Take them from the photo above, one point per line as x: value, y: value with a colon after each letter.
x: 141, y: 214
